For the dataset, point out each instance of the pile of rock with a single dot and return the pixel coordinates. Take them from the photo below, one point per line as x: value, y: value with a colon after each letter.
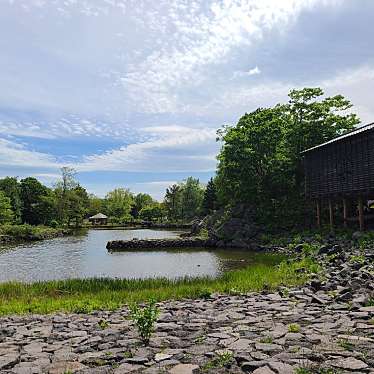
x: 151, y: 244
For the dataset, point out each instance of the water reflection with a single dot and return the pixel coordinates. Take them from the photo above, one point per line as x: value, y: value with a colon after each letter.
x: 86, y: 256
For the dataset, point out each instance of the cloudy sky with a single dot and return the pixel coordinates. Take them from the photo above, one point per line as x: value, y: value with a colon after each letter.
x: 131, y: 92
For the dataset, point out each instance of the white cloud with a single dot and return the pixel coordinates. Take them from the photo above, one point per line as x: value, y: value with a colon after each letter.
x: 15, y: 154
x: 254, y: 71
x: 181, y: 149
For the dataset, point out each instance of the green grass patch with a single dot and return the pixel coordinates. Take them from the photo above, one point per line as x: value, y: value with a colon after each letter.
x: 86, y: 295
x: 30, y: 232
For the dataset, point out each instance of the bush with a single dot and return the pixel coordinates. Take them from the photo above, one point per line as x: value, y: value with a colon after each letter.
x: 145, y: 319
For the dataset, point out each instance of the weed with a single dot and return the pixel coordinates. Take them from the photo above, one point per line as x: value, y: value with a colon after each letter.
x: 145, y: 319
x: 293, y: 327
x: 357, y: 259
x: 103, y: 324
x: 205, y: 294
x: 223, y: 359
x: 266, y: 339
x: 346, y: 344
x: 200, y: 339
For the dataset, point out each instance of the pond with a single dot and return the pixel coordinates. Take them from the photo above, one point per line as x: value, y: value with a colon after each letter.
x: 85, y: 255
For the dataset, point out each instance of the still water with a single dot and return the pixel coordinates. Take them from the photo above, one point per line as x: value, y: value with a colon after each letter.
x: 85, y: 255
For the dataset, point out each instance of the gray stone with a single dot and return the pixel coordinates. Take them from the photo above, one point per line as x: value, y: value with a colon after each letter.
x: 184, y: 369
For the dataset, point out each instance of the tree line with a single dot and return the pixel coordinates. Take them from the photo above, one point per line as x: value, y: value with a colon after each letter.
x: 67, y: 203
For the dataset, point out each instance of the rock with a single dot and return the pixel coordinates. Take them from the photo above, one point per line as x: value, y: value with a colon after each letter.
x: 65, y: 367
x: 184, y: 369
x: 263, y: 370
x: 128, y: 368
x: 162, y: 357
x: 349, y: 363
x: 281, y: 368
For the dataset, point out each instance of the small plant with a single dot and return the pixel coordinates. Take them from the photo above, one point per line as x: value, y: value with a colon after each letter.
x: 266, y: 339
x: 293, y: 327
x: 370, y: 302
x: 103, y: 324
x: 127, y: 354
x: 223, y: 359
x: 145, y: 319
x: 346, y: 344
x: 205, y: 294
x: 302, y: 370
x: 200, y: 339
x: 357, y: 259
x: 371, y: 321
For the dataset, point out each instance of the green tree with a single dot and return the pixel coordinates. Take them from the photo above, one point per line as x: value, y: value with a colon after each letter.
x: 95, y: 205
x: 209, y: 203
x: 118, y: 204
x: 261, y: 162
x: 10, y: 187
x: 172, y: 201
x: 77, y: 205
x: 32, y: 194
x: 141, y: 200
x: 152, y: 212
x: 63, y: 190
x: 6, y: 213
x: 192, y: 198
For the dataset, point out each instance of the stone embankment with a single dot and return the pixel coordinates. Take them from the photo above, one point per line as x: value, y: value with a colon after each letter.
x: 326, y: 326
x: 144, y: 244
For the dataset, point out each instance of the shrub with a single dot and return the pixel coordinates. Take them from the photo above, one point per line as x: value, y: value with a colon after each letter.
x: 294, y: 327
x: 145, y: 319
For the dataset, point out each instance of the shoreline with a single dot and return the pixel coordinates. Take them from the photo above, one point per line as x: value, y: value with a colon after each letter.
x: 324, y: 324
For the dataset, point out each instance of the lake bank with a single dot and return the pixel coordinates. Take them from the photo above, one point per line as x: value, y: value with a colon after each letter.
x: 29, y: 233
x: 323, y: 325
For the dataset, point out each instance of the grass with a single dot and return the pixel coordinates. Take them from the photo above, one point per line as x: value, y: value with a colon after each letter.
x: 86, y: 295
x: 29, y: 232
x: 223, y: 359
x: 294, y: 327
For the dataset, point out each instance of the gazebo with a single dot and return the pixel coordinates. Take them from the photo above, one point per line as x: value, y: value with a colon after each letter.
x: 99, y: 219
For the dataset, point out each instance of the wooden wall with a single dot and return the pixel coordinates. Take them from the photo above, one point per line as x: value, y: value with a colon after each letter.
x: 344, y: 167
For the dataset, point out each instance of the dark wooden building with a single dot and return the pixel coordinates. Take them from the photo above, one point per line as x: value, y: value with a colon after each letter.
x: 342, y: 168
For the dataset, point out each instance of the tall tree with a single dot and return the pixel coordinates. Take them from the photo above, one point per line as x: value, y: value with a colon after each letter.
x: 261, y: 162
x: 209, y: 203
x: 95, y: 205
x: 6, y: 213
x: 118, y: 204
x: 63, y: 188
x: 77, y: 205
x: 192, y: 197
x: 32, y: 193
x: 172, y: 201
x: 10, y: 187
x: 141, y: 200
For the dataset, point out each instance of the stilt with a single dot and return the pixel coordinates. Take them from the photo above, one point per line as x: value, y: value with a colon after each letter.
x: 331, y: 215
x: 318, y: 214
x: 361, y: 213
x: 345, y: 213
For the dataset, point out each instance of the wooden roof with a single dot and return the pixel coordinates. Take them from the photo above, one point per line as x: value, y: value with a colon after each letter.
x: 356, y: 131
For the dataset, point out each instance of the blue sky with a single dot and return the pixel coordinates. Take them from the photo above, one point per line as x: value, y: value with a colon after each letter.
x: 131, y: 92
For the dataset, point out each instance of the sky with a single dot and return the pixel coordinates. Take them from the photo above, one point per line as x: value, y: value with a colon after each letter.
x: 131, y: 92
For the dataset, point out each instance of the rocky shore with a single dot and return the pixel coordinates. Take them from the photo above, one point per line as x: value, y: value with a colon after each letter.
x: 144, y: 244
x: 326, y: 326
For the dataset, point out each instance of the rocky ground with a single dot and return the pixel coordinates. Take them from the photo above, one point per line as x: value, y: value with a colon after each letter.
x: 325, y: 327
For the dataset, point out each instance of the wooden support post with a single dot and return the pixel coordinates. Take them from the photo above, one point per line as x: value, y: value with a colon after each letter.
x: 361, y: 213
x: 318, y: 214
x: 331, y: 212
x: 345, y: 213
